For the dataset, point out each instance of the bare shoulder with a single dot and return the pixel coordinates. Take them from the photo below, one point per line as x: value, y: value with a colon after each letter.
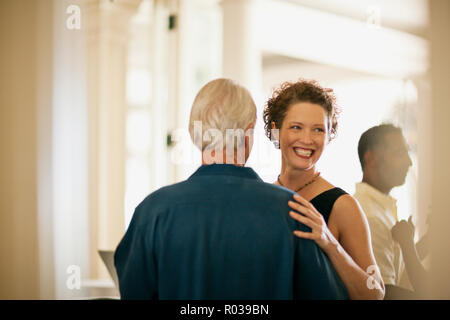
x: 346, y: 207
x: 347, y: 202
x: 347, y: 212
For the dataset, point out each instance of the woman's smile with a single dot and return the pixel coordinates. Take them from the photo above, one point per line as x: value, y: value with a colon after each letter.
x: 303, y: 152
x: 304, y: 132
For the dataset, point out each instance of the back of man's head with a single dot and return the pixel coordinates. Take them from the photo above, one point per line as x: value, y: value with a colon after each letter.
x: 373, y: 137
x: 220, y: 109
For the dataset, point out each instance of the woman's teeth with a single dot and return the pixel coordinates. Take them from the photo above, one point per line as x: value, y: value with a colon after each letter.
x: 303, y: 152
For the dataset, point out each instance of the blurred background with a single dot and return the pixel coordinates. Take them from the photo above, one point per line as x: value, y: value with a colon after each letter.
x: 95, y: 101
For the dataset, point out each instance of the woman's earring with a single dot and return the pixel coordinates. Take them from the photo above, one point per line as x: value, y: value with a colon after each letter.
x: 276, y: 143
x: 274, y: 136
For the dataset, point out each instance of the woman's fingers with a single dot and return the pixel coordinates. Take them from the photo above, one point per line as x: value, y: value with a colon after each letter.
x: 306, y: 221
x: 303, y: 201
x: 297, y: 206
x: 303, y: 209
x: 306, y: 203
x: 304, y: 235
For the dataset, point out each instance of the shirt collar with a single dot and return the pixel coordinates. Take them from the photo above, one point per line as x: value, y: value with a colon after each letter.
x: 226, y: 170
x: 384, y: 200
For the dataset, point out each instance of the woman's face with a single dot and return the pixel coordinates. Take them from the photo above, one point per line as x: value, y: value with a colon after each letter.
x: 303, y: 135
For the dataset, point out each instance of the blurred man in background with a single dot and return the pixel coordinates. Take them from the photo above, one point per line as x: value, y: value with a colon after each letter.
x: 385, y: 162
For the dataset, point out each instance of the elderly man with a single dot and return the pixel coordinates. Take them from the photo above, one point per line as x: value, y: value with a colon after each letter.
x: 223, y: 233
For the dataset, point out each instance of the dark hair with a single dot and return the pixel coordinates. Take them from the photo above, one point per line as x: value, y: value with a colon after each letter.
x: 301, y: 91
x: 372, y: 137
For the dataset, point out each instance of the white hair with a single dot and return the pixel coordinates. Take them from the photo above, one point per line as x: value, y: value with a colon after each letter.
x: 223, y: 108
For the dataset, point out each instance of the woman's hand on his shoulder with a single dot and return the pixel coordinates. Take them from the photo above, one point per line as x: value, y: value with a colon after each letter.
x: 310, y: 217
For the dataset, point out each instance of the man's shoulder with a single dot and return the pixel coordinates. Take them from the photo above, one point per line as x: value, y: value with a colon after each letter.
x: 157, y: 203
x: 272, y: 189
x: 166, y: 193
x: 360, y: 196
x: 255, y: 193
x: 238, y: 185
x: 366, y: 202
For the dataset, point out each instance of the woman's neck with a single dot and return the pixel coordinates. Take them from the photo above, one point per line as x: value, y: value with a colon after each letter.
x: 294, y: 179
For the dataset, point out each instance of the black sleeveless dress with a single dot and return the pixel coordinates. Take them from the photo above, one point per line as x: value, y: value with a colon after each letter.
x: 324, y: 202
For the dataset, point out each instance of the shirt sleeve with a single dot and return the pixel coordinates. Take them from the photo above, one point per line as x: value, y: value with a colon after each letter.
x: 382, y: 250
x: 314, y: 276
x: 135, y: 262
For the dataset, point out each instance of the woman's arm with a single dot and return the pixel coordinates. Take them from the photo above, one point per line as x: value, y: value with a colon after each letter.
x: 352, y: 255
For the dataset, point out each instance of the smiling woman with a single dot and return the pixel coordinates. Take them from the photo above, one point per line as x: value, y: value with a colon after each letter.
x: 301, y: 119
x: 303, y: 141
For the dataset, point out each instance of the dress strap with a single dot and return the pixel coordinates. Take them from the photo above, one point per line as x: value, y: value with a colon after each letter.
x: 324, y: 202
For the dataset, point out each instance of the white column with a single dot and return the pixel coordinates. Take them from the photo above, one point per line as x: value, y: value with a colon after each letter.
x: 242, y: 60
x: 181, y: 73
x: 108, y: 29
x: 69, y: 151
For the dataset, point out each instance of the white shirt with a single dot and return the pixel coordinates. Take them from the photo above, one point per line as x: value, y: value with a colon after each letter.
x: 381, y: 212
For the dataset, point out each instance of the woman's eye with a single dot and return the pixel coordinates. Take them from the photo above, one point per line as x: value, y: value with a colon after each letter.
x: 319, y: 130
x: 295, y: 127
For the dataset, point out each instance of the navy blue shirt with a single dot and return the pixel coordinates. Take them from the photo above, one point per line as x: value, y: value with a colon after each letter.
x: 221, y: 234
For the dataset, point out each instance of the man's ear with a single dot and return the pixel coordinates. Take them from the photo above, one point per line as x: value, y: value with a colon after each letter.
x: 249, y: 135
x: 248, y: 139
x: 251, y: 126
x: 370, y: 159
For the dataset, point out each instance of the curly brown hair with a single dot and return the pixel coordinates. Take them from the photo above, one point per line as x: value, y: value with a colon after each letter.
x: 301, y: 91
